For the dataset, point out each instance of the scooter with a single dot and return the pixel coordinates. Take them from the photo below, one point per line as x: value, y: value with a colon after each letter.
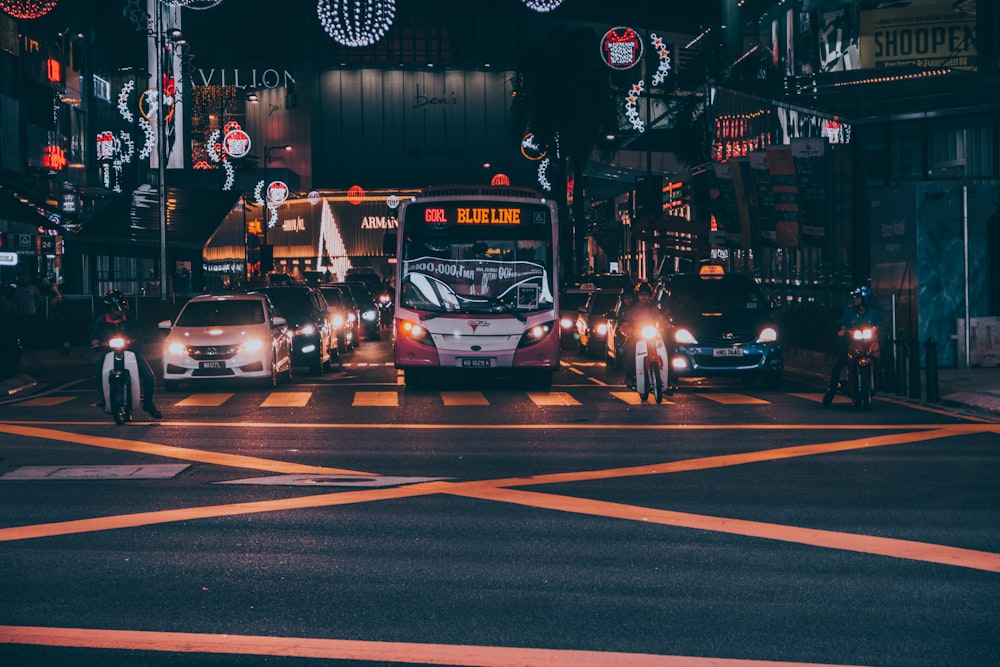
x: 120, y: 380
x: 859, y: 379
x: 652, y: 369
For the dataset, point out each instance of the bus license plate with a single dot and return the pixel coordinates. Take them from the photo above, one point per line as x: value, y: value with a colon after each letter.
x: 727, y: 352
x: 206, y: 365
x: 477, y: 363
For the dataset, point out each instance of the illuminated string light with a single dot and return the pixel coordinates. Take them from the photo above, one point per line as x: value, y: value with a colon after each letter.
x: 543, y: 180
x: 356, y: 22
x: 123, y: 96
x: 542, y: 5
x: 631, y: 110
x: 28, y: 9
x: 150, y: 140
x: 664, y: 67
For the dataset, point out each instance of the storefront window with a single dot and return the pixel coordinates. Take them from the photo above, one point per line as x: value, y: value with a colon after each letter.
x: 906, y: 151
x: 960, y: 147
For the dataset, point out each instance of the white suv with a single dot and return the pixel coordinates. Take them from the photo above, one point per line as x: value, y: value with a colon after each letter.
x: 227, y: 336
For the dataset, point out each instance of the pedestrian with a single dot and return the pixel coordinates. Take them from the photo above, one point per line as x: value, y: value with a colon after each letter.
x: 26, y: 301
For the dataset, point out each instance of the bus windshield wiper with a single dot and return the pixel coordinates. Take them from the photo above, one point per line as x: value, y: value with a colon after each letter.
x: 502, y: 303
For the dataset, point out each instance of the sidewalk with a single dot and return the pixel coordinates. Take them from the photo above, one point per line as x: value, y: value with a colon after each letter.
x: 972, y: 389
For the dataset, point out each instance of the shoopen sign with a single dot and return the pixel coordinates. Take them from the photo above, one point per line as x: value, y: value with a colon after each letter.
x: 928, y: 36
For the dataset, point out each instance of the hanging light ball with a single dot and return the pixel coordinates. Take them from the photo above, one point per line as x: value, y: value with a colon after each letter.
x: 27, y: 9
x: 356, y: 22
x: 542, y: 5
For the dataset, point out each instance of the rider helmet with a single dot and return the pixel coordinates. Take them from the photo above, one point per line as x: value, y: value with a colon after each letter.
x: 115, y: 299
x: 861, y: 292
x: 643, y: 287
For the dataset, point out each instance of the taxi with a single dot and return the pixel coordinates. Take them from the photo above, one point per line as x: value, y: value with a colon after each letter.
x: 721, y: 326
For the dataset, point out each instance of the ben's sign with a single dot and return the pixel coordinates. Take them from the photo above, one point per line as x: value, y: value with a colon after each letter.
x: 928, y: 36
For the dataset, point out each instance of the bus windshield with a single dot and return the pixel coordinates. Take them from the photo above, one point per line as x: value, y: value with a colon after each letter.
x: 477, y: 275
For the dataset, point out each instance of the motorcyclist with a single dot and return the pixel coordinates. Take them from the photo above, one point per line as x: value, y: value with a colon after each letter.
x: 643, y: 311
x: 855, y: 315
x: 117, y: 322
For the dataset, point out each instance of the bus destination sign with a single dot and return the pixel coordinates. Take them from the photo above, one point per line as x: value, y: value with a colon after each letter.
x: 482, y: 215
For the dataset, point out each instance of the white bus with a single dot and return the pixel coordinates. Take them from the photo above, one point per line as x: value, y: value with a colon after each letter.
x: 476, y: 282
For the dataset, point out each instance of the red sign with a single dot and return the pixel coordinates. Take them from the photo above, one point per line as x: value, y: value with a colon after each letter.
x: 355, y: 194
x: 621, y: 48
x: 277, y: 192
x: 236, y: 143
x: 54, y: 158
x: 500, y: 180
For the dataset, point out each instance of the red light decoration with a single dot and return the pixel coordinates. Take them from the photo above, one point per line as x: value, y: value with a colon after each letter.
x: 54, y: 158
x: 54, y: 70
x: 355, y: 194
x: 500, y: 180
x: 27, y: 9
x: 621, y: 48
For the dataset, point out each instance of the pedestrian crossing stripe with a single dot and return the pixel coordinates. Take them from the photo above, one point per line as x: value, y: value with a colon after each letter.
x: 734, y: 399
x: 45, y: 401
x: 203, y: 400
x: 633, y: 398
x: 552, y: 398
x: 381, y: 399
x: 463, y: 398
x: 287, y: 399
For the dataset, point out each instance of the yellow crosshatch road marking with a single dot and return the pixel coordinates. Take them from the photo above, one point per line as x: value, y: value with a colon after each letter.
x: 380, y: 399
x: 734, y: 399
x: 559, y: 398
x: 287, y: 399
x: 45, y: 401
x: 204, y: 400
x: 461, y: 398
x: 460, y: 655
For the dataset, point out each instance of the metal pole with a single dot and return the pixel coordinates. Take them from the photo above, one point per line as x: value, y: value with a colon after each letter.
x: 161, y: 149
x: 965, y: 243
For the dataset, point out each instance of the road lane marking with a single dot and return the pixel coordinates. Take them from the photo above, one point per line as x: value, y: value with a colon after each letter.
x: 552, y: 398
x: 203, y: 400
x: 878, y: 546
x: 287, y: 399
x: 167, y: 451
x: 733, y: 399
x: 349, y: 649
x: 148, y: 471
x: 633, y: 398
x: 839, y: 399
x: 463, y: 398
x: 378, y: 399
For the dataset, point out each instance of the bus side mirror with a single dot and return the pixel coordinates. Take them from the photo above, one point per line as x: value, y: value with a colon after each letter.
x: 389, y: 244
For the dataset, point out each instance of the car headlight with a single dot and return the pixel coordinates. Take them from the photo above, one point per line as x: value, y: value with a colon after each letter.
x: 178, y: 349
x: 252, y: 344
x: 368, y: 315
x: 567, y: 323
x: 767, y: 335
x: 602, y: 329
x: 338, y: 321
x: 684, y: 337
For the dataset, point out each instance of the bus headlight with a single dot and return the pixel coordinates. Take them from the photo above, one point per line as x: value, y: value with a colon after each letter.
x: 416, y: 332
x: 535, y: 334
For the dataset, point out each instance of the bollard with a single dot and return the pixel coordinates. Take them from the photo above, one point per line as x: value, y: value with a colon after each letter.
x: 915, y: 370
x: 900, y: 368
x: 887, y: 369
x: 930, y: 352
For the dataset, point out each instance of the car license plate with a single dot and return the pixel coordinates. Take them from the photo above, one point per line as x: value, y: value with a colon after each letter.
x: 477, y: 363
x: 211, y: 364
x: 727, y: 352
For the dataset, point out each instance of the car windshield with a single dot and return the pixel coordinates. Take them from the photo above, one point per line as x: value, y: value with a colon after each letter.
x: 603, y: 302
x: 698, y: 295
x: 221, y: 314
x: 334, y: 298
x: 361, y: 295
x: 573, y: 300
x: 291, y: 303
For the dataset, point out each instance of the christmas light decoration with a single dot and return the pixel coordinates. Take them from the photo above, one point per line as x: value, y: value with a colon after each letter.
x: 392, y: 201
x: 28, y: 9
x: 123, y: 96
x: 331, y: 243
x: 356, y: 22
x: 661, y: 50
x: 542, y: 5
x: 147, y: 147
x: 542, y: 178
x: 631, y: 110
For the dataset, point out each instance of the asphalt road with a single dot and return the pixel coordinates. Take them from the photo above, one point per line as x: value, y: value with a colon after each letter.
x: 348, y: 519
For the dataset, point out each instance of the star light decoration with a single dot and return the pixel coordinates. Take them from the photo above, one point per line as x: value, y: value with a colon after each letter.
x: 631, y: 110
x: 27, y: 9
x: 356, y: 22
x: 542, y: 5
x: 661, y: 50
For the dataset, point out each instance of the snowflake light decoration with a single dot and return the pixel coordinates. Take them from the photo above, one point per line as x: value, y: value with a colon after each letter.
x: 272, y: 208
x: 356, y: 22
x: 631, y: 110
x: 147, y: 147
x: 123, y: 96
x: 543, y: 180
x: 542, y: 5
x: 661, y: 50
x: 28, y: 9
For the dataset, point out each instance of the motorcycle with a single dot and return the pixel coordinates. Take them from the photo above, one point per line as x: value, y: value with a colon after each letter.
x: 651, y: 363
x: 120, y: 380
x: 860, y: 378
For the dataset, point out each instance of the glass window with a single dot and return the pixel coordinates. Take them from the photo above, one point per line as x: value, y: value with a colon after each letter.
x: 906, y: 151
x: 960, y: 147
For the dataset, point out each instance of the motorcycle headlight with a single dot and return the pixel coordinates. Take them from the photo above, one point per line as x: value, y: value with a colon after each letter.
x: 684, y: 337
x: 767, y: 335
x: 649, y: 331
x: 602, y: 329
x: 116, y: 343
x: 567, y: 323
x: 368, y: 315
x: 307, y: 330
